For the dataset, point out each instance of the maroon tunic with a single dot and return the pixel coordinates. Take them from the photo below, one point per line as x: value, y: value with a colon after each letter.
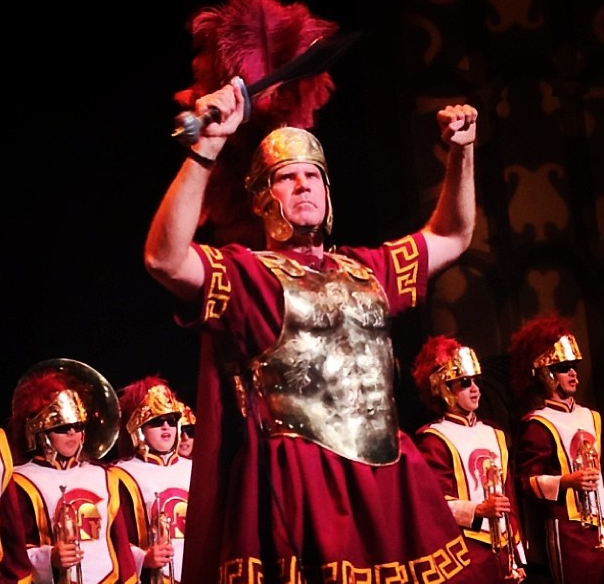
x: 283, y: 509
x: 15, y: 567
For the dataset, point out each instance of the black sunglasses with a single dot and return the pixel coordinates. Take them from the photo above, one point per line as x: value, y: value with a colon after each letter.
x: 465, y: 382
x: 158, y: 422
x: 77, y: 427
x: 188, y: 430
x: 564, y: 367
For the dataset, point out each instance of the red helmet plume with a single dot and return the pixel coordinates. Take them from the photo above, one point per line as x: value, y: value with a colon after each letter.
x: 435, y: 352
x: 250, y: 39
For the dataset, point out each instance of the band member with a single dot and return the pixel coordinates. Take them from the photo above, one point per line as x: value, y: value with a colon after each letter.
x: 187, y: 432
x: 70, y: 505
x: 470, y: 459
x: 155, y: 479
x: 302, y: 472
x: 15, y: 567
x: 558, y: 453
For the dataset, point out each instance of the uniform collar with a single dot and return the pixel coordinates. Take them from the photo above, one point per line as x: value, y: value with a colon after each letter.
x: 469, y: 420
x: 159, y: 459
x: 62, y: 464
x: 560, y: 406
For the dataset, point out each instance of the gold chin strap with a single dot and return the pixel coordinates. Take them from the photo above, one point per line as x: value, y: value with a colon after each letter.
x: 564, y: 349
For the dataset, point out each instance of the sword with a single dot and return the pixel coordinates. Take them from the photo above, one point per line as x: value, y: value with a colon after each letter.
x: 319, y: 56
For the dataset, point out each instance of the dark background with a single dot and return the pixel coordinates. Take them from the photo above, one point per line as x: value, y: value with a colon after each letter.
x: 88, y: 156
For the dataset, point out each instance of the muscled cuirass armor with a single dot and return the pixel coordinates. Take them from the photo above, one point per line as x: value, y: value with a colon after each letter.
x: 328, y: 377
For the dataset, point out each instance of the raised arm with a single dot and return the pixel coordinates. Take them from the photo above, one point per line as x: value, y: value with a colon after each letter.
x: 449, y: 230
x: 168, y: 256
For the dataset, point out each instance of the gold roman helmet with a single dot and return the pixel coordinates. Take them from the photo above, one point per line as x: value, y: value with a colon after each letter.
x: 158, y: 401
x: 283, y: 146
x: 188, y: 417
x: 463, y: 363
x: 564, y: 349
x: 67, y: 408
x: 57, y: 392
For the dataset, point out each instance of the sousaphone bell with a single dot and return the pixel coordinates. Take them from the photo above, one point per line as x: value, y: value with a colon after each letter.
x: 99, y: 399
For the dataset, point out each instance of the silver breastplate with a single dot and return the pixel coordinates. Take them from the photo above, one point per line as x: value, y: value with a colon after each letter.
x: 328, y: 377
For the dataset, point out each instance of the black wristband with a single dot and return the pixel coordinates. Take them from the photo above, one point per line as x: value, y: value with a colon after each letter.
x: 202, y: 160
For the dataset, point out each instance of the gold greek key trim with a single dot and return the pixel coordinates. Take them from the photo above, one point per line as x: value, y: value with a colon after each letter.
x: 219, y: 287
x: 438, y: 567
x: 406, y: 281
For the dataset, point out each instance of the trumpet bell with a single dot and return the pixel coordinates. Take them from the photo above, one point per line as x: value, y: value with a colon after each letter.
x: 99, y: 398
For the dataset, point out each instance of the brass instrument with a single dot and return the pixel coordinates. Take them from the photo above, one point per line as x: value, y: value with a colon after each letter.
x: 99, y: 398
x: 493, y: 485
x: 66, y: 529
x: 589, y: 501
x: 160, y: 533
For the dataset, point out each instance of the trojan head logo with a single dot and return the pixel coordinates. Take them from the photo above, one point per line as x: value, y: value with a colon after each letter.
x: 582, y: 444
x: 84, y: 503
x: 480, y: 460
x: 173, y: 503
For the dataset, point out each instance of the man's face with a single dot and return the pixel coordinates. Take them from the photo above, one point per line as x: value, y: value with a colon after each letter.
x: 467, y: 393
x: 160, y: 433
x: 67, y: 439
x: 185, y: 446
x: 300, y: 188
x: 565, y: 375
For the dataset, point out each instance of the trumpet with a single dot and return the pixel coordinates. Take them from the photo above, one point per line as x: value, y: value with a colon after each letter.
x: 66, y: 530
x: 590, y: 504
x: 493, y: 485
x: 160, y: 533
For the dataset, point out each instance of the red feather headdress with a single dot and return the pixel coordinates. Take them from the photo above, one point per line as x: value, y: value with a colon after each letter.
x: 435, y: 352
x: 533, y: 339
x: 250, y: 39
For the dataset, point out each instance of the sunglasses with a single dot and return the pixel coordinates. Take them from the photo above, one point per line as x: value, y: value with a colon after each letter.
x: 188, y: 430
x: 563, y: 367
x: 158, y: 422
x: 465, y: 382
x: 65, y: 429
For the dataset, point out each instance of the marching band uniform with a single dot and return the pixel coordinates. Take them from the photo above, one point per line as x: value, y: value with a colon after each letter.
x: 550, y: 445
x: 43, y: 403
x: 15, y: 567
x: 469, y: 457
x: 152, y: 484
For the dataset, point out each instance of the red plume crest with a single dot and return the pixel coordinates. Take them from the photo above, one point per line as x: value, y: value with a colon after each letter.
x: 252, y: 38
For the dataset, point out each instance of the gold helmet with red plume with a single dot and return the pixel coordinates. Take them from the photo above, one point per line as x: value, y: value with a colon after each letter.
x: 283, y: 146
x: 251, y: 39
x: 440, y: 361
x: 141, y: 402
x: 58, y: 392
x: 535, y: 347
